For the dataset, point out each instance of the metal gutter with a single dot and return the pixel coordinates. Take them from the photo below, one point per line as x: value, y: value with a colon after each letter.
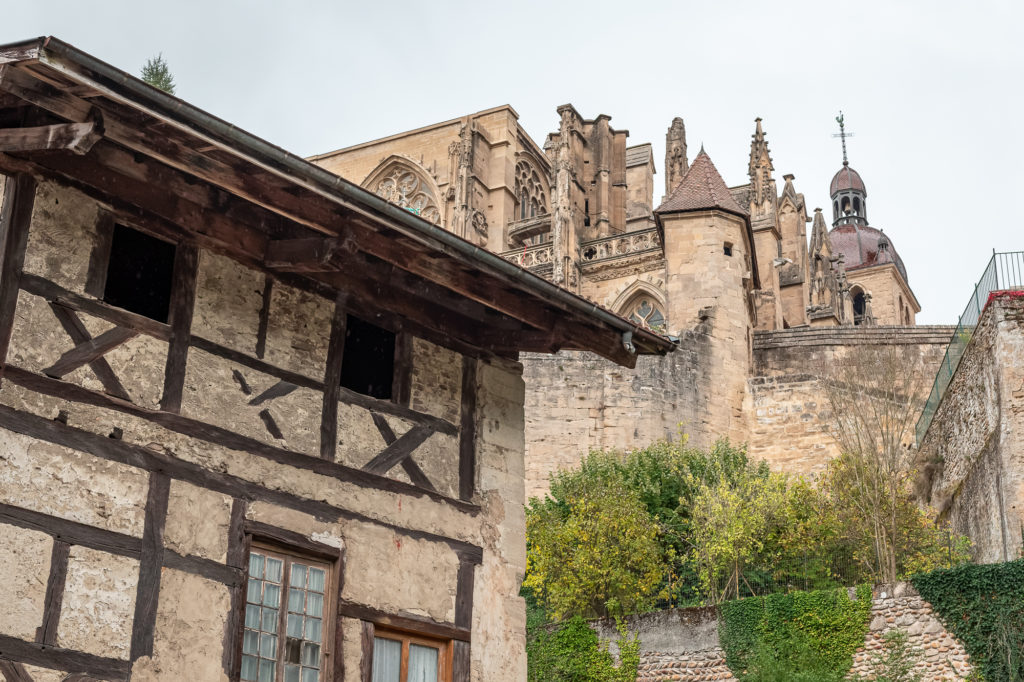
x: 196, y: 120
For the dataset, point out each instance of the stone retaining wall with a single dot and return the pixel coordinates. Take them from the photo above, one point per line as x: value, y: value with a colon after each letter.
x: 682, y: 645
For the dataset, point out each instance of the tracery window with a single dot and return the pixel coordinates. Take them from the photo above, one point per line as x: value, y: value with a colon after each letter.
x: 401, y: 186
x: 645, y: 313
x: 530, y: 198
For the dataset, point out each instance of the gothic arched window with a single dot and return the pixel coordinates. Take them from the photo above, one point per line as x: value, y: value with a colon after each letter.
x: 401, y: 185
x: 644, y: 312
x: 859, y: 305
x: 530, y: 199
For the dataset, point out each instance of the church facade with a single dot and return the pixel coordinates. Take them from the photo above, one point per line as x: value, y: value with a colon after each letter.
x: 725, y: 269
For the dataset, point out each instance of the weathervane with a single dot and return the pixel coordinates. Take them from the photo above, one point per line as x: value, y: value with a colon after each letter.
x: 842, y: 134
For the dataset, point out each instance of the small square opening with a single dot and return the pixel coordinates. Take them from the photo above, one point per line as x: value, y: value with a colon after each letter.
x: 727, y: 249
x: 368, y: 363
x: 139, y: 273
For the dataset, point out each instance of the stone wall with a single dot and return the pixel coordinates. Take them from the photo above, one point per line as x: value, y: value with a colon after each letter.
x: 972, y: 456
x: 683, y: 645
x: 576, y: 402
x: 789, y: 414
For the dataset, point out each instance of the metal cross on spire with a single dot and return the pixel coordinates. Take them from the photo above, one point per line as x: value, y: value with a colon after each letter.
x: 842, y: 134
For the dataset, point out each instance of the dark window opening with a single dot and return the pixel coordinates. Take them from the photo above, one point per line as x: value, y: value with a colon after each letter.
x: 368, y: 364
x: 856, y: 206
x: 139, y: 274
x: 586, y: 213
x: 727, y: 249
x: 858, y: 308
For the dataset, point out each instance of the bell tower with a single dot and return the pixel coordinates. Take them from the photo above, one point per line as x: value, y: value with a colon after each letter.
x: 849, y: 196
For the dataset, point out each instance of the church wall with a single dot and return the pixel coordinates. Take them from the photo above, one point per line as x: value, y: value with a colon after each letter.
x: 972, y: 456
x: 883, y: 283
x: 143, y: 514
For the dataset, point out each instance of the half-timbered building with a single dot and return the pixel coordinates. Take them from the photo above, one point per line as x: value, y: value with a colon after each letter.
x: 256, y: 423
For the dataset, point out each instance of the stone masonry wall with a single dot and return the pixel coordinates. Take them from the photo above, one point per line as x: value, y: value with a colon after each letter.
x: 682, y: 644
x: 972, y: 456
x: 789, y: 412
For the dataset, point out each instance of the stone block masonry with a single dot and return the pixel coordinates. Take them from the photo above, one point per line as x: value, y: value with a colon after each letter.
x: 682, y: 644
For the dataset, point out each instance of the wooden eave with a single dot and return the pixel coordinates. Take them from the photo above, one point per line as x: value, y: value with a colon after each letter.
x: 175, y: 171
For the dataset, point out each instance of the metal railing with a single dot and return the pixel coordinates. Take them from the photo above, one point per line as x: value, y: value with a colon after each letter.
x: 1005, y: 272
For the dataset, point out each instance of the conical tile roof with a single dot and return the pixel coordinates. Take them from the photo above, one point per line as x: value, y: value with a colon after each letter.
x: 702, y: 188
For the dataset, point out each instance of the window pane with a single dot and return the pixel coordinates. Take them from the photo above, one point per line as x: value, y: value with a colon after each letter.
x: 295, y: 598
x: 315, y: 604
x: 249, y: 667
x: 253, y: 593
x: 294, y: 626
x: 268, y: 646
x: 313, y: 629
x: 316, y: 579
x: 267, y: 670
x: 291, y: 673
x: 387, y: 660
x: 255, y: 565
x: 422, y: 663
x: 272, y: 595
x: 311, y: 655
x: 274, y: 569
x: 310, y: 675
x: 298, y: 575
x: 252, y: 617
x: 250, y: 642
x: 269, y: 620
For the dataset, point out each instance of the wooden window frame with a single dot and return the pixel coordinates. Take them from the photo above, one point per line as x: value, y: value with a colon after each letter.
x: 283, y: 543
x: 407, y: 637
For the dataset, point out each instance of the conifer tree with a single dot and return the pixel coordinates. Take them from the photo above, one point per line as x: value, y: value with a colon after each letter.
x: 156, y: 73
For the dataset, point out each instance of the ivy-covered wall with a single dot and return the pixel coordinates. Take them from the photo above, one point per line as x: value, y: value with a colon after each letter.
x: 693, y: 645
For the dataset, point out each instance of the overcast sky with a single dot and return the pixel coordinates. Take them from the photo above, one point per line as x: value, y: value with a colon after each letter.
x: 932, y: 90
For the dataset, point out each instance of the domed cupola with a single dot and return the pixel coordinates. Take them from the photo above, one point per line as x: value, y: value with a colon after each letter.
x: 849, y: 196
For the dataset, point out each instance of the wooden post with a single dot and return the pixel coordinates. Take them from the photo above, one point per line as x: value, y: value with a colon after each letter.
x: 332, y: 380
x: 18, y: 201
x: 183, y: 296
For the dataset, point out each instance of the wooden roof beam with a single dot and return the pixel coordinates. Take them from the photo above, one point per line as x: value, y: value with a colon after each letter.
x: 74, y: 137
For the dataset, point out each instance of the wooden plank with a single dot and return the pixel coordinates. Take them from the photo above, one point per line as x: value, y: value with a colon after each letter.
x: 147, y: 593
x: 88, y: 351
x: 278, y: 390
x: 387, y: 407
x: 55, y: 432
x: 237, y: 558
x: 239, y: 358
x: 74, y: 137
x: 79, y: 334
x: 273, y: 534
x: 72, y: 532
x: 54, y: 599
x: 15, y: 218
x: 56, y: 658
x: 332, y: 381
x: 366, y: 642
x: 401, y: 386
x: 467, y: 430
x: 403, y: 621
x: 40, y: 286
x: 464, y: 595
x: 416, y: 474
x: 264, y: 325
x: 99, y: 258
x: 183, y: 297
x: 204, y: 568
x: 460, y: 662
x: 306, y: 254
x: 14, y: 672
x: 393, y: 454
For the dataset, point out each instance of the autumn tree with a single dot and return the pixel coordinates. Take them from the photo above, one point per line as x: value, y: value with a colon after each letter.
x: 156, y: 73
x: 875, y: 397
x: 594, y: 552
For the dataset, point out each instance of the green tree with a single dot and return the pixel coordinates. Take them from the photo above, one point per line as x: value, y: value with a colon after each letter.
x: 156, y: 73
x: 593, y: 552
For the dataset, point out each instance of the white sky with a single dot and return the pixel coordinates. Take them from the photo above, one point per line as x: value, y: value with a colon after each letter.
x: 932, y: 90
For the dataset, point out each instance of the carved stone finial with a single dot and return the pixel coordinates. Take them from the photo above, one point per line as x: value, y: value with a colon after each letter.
x: 676, y: 163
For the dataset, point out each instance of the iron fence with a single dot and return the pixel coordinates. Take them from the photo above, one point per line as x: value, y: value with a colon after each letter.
x: 1005, y: 272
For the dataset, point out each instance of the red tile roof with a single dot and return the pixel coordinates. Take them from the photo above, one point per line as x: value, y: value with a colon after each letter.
x: 846, y: 178
x: 702, y: 188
